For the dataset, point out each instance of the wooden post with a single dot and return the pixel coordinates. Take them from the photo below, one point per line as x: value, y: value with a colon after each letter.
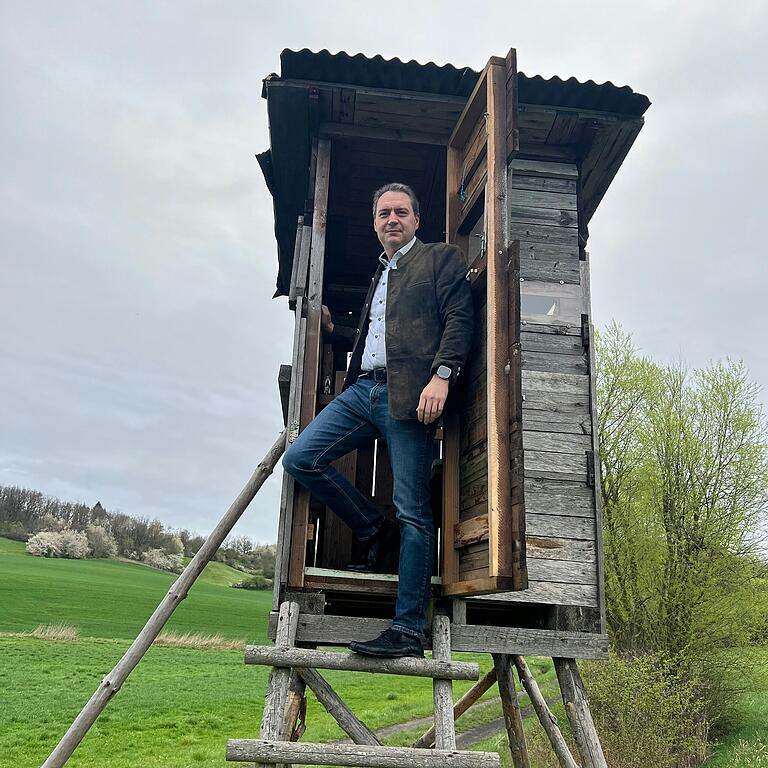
x: 546, y: 718
x: 276, y: 698
x: 296, y: 709
x: 579, y: 715
x: 462, y: 705
x: 357, y: 730
x: 511, y: 708
x: 445, y: 731
x: 111, y: 684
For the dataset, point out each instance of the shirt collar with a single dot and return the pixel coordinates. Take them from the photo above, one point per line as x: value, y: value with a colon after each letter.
x: 396, y: 255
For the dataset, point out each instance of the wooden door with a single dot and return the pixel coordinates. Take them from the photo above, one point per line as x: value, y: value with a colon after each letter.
x: 483, y: 539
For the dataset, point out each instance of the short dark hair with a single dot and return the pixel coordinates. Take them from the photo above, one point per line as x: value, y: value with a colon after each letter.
x: 396, y: 186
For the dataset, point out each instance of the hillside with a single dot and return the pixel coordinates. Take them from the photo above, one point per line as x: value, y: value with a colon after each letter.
x: 113, y: 599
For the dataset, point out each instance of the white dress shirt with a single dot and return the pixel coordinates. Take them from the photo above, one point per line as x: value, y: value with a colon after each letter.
x: 375, y: 352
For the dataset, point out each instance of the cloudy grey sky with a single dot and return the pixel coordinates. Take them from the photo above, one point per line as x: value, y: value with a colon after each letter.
x: 139, y: 344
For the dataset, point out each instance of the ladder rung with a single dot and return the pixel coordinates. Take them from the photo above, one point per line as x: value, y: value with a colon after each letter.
x: 301, y: 657
x: 358, y: 755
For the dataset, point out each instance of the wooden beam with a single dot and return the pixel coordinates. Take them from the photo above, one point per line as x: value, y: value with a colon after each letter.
x: 273, y: 718
x: 579, y: 714
x: 501, y: 562
x: 546, y: 718
x: 348, y: 131
x: 513, y: 719
x: 341, y: 630
x: 357, y: 755
x: 353, y: 662
x: 355, y: 728
x: 462, y: 705
x: 311, y: 362
x: 445, y: 731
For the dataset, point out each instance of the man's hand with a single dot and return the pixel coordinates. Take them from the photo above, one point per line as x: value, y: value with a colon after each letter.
x: 326, y: 321
x: 432, y: 400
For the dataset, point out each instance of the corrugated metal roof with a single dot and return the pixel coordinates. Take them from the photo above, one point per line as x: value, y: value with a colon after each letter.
x: 378, y: 72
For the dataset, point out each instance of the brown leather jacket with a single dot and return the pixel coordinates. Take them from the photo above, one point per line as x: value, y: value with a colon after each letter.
x: 429, y: 322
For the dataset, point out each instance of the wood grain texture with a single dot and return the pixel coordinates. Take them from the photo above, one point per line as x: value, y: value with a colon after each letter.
x: 353, y: 662
x: 445, y: 731
x: 579, y: 714
x: 472, y: 696
x: 544, y: 713
x: 341, y: 630
x: 273, y: 721
x: 360, y: 755
x: 510, y: 707
x: 355, y: 728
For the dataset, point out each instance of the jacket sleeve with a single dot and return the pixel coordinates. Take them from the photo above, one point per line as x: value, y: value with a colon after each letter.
x: 454, y: 298
x: 343, y: 336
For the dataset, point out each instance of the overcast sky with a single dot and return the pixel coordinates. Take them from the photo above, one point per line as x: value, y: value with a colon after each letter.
x: 139, y: 344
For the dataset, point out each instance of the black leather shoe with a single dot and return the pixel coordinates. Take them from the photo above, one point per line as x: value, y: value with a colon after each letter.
x: 390, y: 644
x: 383, y: 551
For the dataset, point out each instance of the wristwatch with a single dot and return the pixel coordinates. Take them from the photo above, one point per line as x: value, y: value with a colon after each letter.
x: 444, y: 372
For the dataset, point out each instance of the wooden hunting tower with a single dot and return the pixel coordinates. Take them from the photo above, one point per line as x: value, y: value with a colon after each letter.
x: 511, y: 168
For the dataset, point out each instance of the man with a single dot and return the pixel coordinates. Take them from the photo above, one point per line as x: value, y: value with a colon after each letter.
x: 410, y: 344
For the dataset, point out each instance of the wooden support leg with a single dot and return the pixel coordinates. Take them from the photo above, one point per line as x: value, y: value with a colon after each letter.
x: 462, y: 705
x: 357, y: 730
x: 579, y: 715
x: 511, y: 708
x: 273, y: 720
x: 546, y: 718
x: 445, y: 731
x: 296, y: 709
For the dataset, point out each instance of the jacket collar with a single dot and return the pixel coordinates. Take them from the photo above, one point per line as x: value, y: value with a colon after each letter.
x: 407, y: 257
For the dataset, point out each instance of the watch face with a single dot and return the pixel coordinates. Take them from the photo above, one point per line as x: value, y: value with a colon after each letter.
x: 444, y: 372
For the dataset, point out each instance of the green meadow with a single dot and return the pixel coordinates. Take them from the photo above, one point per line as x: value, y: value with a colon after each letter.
x: 180, y: 705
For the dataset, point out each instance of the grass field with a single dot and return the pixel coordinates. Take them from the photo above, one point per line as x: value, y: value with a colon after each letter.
x: 113, y: 599
x: 179, y: 707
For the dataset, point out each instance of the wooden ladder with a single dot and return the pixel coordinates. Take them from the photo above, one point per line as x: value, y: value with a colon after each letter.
x: 295, y: 669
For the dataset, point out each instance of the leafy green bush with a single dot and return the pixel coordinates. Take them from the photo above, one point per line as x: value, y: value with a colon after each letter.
x: 256, y: 581
x: 648, y: 711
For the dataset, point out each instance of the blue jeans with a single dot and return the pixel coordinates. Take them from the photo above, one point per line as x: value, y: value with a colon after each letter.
x: 356, y: 416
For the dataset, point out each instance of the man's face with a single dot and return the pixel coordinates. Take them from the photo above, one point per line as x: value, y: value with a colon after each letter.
x: 395, y: 222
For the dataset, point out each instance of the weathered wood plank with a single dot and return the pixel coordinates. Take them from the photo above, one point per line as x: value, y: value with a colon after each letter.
x: 532, y: 251
x: 548, y: 593
x: 556, y: 466
x: 543, y: 183
x: 560, y: 549
x: 341, y: 630
x: 541, y: 233
x: 360, y: 755
x: 562, y: 526
x: 539, y: 168
x: 571, y: 423
x: 566, y: 270
x: 554, y: 330
x: 553, y: 217
x: 562, y: 571
x: 560, y: 383
x: 539, y: 198
x: 555, y: 363
x: 353, y: 662
x: 560, y: 344
x: 576, y: 501
x: 556, y: 442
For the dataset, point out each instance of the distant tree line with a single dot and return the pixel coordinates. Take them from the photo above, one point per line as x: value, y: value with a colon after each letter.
x: 77, y: 530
